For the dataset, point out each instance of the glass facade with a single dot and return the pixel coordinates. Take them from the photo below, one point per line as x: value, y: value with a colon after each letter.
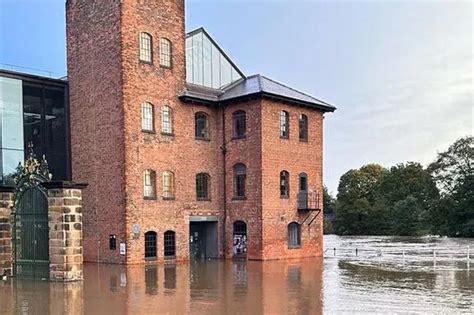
x: 33, y: 111
x: 11, y: 127
x: 206, y: 65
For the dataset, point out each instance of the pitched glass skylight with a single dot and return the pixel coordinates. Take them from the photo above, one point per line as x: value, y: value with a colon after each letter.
x: 206, y: 64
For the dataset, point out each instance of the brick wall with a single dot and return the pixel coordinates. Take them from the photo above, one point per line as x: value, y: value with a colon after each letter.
x: 295, y: 157
x: 96, y: 109
x: 6, y: 203
x: 108, y: 84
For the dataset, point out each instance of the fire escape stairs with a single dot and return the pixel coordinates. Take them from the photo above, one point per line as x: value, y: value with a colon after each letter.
x: 309, y: 204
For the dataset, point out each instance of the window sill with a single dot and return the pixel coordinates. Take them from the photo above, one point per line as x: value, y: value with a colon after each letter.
x: 285, y: 138
x: 239, y: 198
x: 294, y: 247
x: 168, y: 198
x: 304, y: 140
x: 146, y: 62
x: 151, y: 258
x: 151, y: 132
x: 149, y: 198
x: 239, y: 137
x: 165, y: 67
x: 203, y: 199
x: 170, y: 257
x: 169, y: 134
x: 284, y: 197
x: 202, y: 139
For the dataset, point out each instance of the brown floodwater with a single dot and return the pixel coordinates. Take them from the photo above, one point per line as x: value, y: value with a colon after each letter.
x: 386, y: 275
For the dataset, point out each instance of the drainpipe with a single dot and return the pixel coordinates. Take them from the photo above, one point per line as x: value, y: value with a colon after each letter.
x: 224, y: 151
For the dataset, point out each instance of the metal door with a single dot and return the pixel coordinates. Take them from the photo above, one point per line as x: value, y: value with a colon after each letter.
x: 197, y: 242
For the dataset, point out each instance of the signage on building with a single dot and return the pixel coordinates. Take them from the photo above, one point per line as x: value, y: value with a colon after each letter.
x: 123, y: 249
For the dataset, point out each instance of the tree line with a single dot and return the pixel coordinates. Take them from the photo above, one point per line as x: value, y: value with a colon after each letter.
x: 407, y: 199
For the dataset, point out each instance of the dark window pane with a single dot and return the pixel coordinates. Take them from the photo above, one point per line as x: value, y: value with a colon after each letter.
x: 150, y: 245
x: 239, y: 118
x: 303, y: 122
x: 293, y: 235
x: 240, y: 174
x: 284, y: 184
x: 202, y: 186
x: 201, y: 126
x: 303, y: 182
x: 170, y: 244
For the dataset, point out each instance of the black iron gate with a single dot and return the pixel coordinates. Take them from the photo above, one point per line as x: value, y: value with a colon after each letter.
x: 30, y: 230
x: 31, y: 235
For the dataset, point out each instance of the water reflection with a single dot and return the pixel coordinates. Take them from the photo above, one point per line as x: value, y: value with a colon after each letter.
x: 211, y: 287
x: 339, y: 285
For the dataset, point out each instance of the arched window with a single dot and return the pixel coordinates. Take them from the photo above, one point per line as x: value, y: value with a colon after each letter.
x: 201, y: 126
x: 165, y: 53
x: 168, y: 184
x: 147, y: 117
x: 170, y: 244
x: 166, y: 127
x: 202, y: 186
x: 240, y: 238
x: 149, y: 184
x: 284, y: 184
x: 146, y: 45
x: 303, y: 122
x: 240, y: 175
x: 294, y: 237
x: 150, y: 245
x: 284, y: 124
x: 303, y: 182
x: 239, y: 124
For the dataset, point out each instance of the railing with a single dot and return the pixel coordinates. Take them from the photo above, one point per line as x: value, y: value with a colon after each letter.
x: 308, y: 201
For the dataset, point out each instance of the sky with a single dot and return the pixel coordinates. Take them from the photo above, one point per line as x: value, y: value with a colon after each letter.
x: 399, y: 72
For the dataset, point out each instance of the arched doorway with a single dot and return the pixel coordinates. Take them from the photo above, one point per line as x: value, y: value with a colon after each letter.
x: 240, y: 239
x: 30, y: 228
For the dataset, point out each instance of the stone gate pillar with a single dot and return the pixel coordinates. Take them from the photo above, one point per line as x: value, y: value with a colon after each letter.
x: 6, y: 203
x: 65, y: 230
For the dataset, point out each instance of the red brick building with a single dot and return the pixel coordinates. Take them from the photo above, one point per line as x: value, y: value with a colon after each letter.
x: 185, y: 156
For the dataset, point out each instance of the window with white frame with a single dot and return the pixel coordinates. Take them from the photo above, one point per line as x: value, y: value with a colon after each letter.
x: 168, y: 184
x: 284, y: 124
x: 165, y: 53
x: 166, y: 120
x: 147, y: 117
x: 145, y: 47
x: 149, y: 184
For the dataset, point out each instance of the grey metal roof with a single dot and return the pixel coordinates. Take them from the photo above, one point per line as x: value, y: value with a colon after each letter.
x: 253, y: 86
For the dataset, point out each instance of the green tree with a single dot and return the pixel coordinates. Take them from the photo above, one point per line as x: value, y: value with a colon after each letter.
x: 354, y: 199
x: 453, y: 173
x: 406, y: 213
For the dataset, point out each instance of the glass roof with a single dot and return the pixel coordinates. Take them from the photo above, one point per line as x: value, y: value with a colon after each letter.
x: 206, y: 64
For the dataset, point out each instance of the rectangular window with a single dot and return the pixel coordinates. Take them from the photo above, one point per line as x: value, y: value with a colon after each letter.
x: 165, y: 53
x: 168, y: 182
x: 284, y: 125
x: 149, y: 184
x: 166, y: 120
x: 112, y: 242
x: 303, y: 122
x: 145, y: 47
x: 147, y: 117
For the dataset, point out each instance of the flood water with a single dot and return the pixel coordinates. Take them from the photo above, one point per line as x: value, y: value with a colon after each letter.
x: 386, y: 275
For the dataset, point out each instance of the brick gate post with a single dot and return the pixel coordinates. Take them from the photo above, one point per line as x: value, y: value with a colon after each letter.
x: 6, y: 203
x: 65, y: 230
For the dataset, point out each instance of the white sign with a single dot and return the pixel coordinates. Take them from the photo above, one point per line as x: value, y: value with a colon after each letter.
x: 123, y: 249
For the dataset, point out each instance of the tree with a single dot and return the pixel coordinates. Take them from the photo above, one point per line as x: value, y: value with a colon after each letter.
x: 406, y: 213
x: 354, y: 199
x: 451, y: 168
x: 453, y: 173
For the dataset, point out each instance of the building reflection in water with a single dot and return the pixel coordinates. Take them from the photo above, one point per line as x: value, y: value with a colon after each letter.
x: 198, y: 288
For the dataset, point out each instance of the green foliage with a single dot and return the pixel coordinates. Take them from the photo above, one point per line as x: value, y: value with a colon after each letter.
x: 406, y: 199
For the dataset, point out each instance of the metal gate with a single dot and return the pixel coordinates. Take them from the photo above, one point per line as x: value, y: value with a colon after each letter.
x: 31, y: 237
x: 30, y: 219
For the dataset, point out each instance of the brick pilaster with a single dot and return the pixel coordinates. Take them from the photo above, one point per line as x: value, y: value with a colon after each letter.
x: 6, y: 203
x: 65, y: 231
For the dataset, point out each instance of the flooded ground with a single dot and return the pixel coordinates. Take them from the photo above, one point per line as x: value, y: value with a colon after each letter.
x: 385, y: 275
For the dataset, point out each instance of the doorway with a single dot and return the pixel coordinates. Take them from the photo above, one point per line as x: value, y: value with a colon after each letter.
x: 203, y: 240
